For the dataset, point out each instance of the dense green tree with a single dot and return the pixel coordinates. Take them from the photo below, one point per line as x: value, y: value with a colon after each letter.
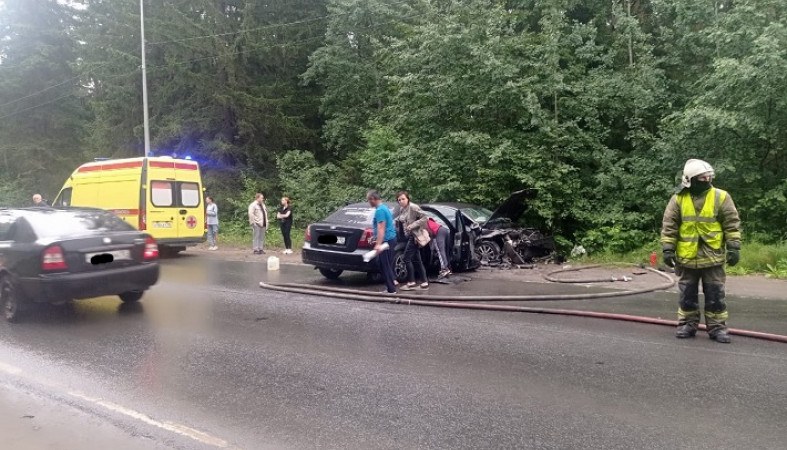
x: 595, y: 103
x: 42, y: 118
x: 222, y: 77
x: 350, y: 69
x: 737, y: 116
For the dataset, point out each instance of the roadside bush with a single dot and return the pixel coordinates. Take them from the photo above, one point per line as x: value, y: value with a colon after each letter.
x: 315, y: 190
x: 614, y: 239
x: 13, y: 193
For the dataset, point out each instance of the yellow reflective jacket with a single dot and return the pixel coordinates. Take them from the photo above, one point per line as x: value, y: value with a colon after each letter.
x: 700, y: 227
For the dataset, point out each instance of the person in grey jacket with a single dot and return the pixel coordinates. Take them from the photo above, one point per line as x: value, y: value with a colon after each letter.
x: 258, y: 219
x: 413, y: 220
x: 212, y: 213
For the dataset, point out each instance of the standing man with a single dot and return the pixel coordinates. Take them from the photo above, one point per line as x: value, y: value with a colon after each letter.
x: 258, y: 218
x: 383, y: 231
x: 39, y: 201
x: 701, y: 231
x: 212, y: 211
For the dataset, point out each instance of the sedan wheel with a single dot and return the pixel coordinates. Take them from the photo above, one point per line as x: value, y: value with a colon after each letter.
x: 488, y: 250
x: 131, y: 296
x: 330, y: 274
x: 400, y: 268
x: 9, y: 297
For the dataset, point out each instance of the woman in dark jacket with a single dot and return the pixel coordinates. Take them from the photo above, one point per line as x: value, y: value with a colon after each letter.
x: 413, y: 220
x: 285, y: 216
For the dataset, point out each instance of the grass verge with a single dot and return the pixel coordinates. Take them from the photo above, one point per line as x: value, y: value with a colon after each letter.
x: 756, y: 258
x: 239, y: 234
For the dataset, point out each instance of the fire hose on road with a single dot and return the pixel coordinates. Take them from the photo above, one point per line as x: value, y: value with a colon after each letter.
x: 467, y: 301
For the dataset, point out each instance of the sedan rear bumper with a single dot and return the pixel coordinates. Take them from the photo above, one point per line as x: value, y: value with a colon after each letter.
x: 331, y: 259
x: 58, y: 287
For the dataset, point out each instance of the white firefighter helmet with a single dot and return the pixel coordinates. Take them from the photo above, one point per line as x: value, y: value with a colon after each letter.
x: 695, y: 168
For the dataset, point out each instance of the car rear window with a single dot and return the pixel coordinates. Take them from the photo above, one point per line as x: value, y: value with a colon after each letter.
x: 352, y: 215
x: 65, y: 223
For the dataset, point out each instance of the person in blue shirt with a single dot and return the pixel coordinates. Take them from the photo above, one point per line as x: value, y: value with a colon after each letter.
x: 383, y: 232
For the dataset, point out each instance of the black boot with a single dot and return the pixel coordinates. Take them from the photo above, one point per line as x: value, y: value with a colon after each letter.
x: 686, y: 330
x: 720, y: 336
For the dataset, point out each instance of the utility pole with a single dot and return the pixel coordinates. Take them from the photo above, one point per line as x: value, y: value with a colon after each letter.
x: 144, y: 78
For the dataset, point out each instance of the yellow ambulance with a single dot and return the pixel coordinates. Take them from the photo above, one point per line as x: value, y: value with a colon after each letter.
x: 160, y: 195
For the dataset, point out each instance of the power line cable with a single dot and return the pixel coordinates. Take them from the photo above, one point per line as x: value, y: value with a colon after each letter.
x: 266, y: 46
x: 210, y: 57
x: 60, y: 98
x: 47, y: 88
x: 256, y: 48
x: 266, y: 27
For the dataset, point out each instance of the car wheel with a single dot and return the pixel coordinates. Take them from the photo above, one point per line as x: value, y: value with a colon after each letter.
x: 374, y: 277
x: 488, y: 250
x: 399, y: 267
x: 10, y: 300
x: 330, y: 274
x: 131, y: 296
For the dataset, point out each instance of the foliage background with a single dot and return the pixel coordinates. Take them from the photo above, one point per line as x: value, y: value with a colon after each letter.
x: 595, y: 103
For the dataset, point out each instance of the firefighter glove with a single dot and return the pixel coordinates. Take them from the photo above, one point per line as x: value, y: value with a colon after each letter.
x: 669, y: 258
x: 733, y: 256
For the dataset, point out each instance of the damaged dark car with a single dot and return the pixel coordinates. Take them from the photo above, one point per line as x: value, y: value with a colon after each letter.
x: 499, y: 237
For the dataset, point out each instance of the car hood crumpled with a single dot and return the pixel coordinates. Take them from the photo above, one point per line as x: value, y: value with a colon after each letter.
x: 514, y: 206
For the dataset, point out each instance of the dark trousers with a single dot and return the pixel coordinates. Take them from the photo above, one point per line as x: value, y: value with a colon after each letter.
x: 286, y: 227
x: 412, y: 259
x: 713, y: 279
x: 386, y: 259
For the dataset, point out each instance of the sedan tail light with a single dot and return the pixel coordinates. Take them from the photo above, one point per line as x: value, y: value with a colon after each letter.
x: 151, y: 249
x: 367, y: 239
x: 53, y: 259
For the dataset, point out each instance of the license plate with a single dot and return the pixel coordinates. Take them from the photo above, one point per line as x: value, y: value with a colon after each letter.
x: 340, y: 240
x: 116, y: 255
x: 162, y: 224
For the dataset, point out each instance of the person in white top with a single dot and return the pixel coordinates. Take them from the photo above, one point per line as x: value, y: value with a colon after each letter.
x: 212, y: 211
x: 258, y: 219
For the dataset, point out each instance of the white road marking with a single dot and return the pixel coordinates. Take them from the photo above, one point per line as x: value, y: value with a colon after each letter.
x: 183, y: 430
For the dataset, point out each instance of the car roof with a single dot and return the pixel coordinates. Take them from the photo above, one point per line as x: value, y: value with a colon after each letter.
x: 454, y: 205
x: 22, y: 211
x: 367, y: 205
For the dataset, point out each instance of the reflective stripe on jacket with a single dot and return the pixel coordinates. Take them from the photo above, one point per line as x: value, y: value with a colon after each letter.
x: 707, y: 234
x: 694, y: 226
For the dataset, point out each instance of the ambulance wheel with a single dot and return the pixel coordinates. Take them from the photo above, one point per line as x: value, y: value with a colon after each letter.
x: 131, y: 296
x: 167, y: 251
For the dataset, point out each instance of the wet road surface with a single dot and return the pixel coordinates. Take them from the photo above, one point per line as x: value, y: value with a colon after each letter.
x: 209, y: 360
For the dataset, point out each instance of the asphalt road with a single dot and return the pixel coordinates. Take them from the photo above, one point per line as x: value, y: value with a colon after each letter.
x: 210, y: 360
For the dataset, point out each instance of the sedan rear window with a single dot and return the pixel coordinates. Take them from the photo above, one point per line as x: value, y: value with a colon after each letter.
x: 65, y: 223
x: 352, y: 215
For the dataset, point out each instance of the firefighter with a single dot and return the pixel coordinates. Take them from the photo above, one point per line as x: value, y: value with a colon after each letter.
x: 701, y: 231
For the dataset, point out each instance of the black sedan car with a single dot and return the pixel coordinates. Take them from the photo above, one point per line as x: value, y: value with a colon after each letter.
x: 337, y: 244
x: 50, y: 255
x: 497, y: 233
